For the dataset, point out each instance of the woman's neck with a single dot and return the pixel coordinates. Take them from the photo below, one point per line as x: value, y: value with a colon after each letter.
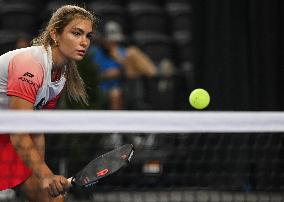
x: 58, y: 60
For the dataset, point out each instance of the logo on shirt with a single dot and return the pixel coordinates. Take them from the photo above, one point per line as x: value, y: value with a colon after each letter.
x: 28, y: 74
x: 26, y: 77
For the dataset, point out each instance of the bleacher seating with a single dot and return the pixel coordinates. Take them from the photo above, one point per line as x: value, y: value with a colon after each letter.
x: 184, y: 60
x: 50, y: 6
x: 154, y: 2
x: 183, y: 46
x: 178, y: 1
x: 157, y: 45
x: 118, y: 2
x: 8, y: 40
x: 179, y: 16
x: 11, y: 12
x: 106, y: 11
x: 32, y: 2
x: 147, y: 17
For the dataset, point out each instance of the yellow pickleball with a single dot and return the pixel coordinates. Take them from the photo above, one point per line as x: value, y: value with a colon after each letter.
x: 199, y: 98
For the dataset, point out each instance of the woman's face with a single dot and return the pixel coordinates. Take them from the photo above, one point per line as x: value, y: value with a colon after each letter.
x: 75, y: 39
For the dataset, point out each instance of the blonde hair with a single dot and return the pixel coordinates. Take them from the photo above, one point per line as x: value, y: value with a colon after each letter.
x: 59, y: 20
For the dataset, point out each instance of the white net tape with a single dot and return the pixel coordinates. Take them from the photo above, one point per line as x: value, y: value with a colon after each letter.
x: 84, y: 121
x: 221, y: 158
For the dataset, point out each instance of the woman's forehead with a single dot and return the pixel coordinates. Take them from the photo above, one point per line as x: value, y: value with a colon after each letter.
x: 81, y: 23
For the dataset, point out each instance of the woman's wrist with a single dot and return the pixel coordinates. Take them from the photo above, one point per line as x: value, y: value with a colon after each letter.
x: 43, y: 171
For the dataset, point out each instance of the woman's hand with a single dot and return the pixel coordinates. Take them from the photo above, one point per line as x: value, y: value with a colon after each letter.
x: 55, y: 185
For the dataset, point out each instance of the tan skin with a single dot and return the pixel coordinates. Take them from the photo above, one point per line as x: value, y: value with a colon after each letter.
x: 43, y: 185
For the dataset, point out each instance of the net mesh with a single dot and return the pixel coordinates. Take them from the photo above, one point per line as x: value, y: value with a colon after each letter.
x: 180, y: 167
x: 176, y: 167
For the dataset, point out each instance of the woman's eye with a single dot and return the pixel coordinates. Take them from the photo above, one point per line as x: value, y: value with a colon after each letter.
x: 76, y: 33
x: 89, y: 36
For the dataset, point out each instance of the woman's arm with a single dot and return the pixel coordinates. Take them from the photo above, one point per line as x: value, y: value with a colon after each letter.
x: 39, y: 141
x: 31, y: 150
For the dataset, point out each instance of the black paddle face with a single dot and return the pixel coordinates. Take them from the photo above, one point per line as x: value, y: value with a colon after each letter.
x: 104, y: 165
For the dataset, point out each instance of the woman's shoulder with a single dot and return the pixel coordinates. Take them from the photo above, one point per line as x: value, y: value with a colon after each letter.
x: 30, y: 54
x: 25, y: 56
x: 29, y: 57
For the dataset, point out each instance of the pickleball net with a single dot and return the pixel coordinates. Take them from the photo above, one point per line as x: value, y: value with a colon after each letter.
x: 179, y: 157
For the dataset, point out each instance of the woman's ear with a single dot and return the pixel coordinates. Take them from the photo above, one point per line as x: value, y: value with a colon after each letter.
x: 53, y: 36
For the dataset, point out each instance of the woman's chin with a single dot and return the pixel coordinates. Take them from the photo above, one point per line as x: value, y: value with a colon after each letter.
x: 78, y: 57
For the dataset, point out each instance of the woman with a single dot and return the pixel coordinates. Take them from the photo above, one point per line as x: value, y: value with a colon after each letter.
x: 33, y: 78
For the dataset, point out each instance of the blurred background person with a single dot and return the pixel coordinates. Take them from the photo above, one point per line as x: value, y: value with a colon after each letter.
x: 119, y: 64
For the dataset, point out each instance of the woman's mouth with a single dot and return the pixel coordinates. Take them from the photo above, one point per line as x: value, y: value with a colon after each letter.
x: 81, y: 52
